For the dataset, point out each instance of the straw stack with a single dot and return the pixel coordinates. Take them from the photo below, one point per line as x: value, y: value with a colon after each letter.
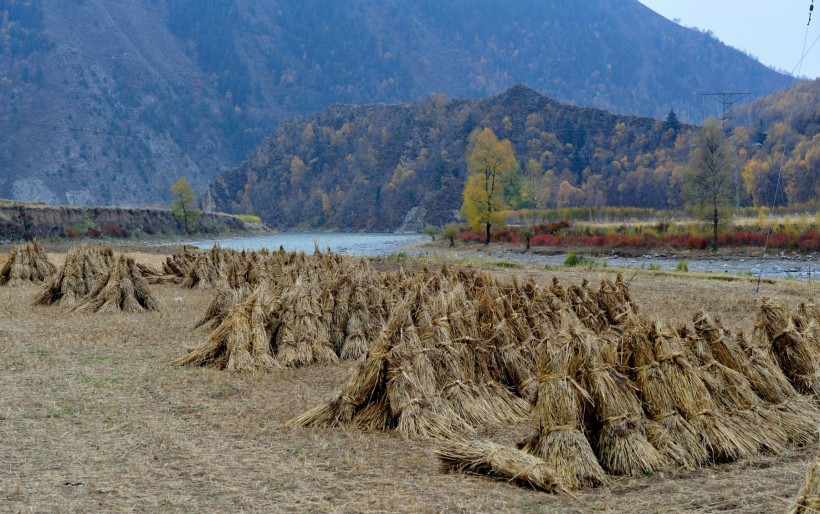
x: 242, y: 341
x: 797, y: 356
x: 121, y: 289
x: 75, y: 279
x: 559, y: 409
x: 26, y: 265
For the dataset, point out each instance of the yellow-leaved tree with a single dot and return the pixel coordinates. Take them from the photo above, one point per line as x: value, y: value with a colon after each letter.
x: 492, y: 164
x: 183, y: 205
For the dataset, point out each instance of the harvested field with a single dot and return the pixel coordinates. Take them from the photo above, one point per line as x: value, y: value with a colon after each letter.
x: 93, y: 417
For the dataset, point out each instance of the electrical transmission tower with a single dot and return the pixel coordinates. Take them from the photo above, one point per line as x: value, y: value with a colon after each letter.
x: 727, y: 100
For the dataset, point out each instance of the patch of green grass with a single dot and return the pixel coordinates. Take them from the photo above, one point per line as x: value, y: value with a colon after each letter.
x: 573, y: 260
x: 654, y: 267
x: 394, y: 257
x: 505, y: 264
x: 682, y: 266
x: 248, y: 218
x: 42, y: 352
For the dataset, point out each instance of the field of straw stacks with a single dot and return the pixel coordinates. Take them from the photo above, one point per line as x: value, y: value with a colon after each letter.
x: 215, y: 380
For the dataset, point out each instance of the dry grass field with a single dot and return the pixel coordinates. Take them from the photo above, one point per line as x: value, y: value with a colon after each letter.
x: 93, y: 418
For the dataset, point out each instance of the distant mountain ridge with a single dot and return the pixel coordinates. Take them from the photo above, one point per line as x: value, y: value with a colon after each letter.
x: 365, y: 167
x: 379, y: 167
x: 110, y: 101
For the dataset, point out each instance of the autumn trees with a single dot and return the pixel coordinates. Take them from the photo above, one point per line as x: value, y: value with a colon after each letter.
x: 708, y: 182
x: 492, y: 166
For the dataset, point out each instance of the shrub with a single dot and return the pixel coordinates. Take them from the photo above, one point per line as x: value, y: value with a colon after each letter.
x: 149, y: 229
x: 572, y: 260
x: 682, y: 266
x: 111, y: 230
x: 545, y: 240
x: 72, y: 232
x: 93, y: 232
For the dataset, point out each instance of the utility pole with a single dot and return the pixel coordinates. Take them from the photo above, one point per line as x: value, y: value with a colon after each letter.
x: 727, y: 100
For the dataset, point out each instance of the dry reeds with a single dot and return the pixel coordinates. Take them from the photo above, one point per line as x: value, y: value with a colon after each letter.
x: 26, y: 265
x: 498, y: 461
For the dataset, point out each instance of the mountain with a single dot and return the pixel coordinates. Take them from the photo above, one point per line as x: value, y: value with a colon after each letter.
x: 366, y: 167
x: 110, y: 101
x: 378, y: 167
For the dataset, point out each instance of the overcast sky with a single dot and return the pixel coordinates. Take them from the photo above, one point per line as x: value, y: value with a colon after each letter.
x: 771, y: 30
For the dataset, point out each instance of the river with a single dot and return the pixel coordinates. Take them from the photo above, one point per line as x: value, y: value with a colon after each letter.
x: 799, y: 267
x: 360, y: 244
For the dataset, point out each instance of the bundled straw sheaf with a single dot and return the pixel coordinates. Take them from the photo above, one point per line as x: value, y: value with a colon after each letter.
x: 82, y: 268
x: 26, y: 265
x: 121, y: 289
x: 497, y: 461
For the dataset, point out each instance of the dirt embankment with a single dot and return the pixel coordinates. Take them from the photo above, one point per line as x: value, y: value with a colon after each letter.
x: 20, y: 221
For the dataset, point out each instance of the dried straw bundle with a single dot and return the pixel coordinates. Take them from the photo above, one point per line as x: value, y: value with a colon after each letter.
x: 690, y: 396
x: 669, y: 432
x: 153, y: 276
x: 223, y: 301
x: 586, y: 308
x: 121, y: 289
x: 558, y: 438
x: 613, y: 302
x: 808, y: 499
x: 26, y: 265
x: 497, y: 461
x: 622, y: 445
x: 304, y: 337
x: 357, y: 326
x: 203, y: 273
x: 731, y: 390
x: 75, y: 279
x: 486, y: 405
x: 796, y: 355
x: 241, y: 342
x: 368, y: 382
x: 178, y: 264
x: 807, y: 321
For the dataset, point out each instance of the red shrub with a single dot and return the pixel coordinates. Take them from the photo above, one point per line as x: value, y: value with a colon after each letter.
x: 111, y: 230
x: 93, y: 232
x: 545, y: 240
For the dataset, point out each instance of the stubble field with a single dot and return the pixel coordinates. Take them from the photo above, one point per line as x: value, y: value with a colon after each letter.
x: 93, y: 418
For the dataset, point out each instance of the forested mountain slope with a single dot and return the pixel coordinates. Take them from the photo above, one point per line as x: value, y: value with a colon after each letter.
x: 110, y: 101
x: 366, y: 167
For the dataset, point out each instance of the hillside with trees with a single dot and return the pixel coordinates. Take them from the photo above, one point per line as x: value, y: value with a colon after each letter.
x: 113, y: 102
x: 369, y: 167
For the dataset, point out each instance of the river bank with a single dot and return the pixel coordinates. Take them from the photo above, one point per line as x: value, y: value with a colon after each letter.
x: 804, y: 267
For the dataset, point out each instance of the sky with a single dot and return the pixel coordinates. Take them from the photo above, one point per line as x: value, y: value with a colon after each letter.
x: 771, y: 30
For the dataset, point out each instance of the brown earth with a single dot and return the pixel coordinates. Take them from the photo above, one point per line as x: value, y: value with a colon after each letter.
x: 93, y: 418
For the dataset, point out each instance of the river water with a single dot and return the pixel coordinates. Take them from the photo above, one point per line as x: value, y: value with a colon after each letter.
x: 799, y: 267
x: 372, y: 245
